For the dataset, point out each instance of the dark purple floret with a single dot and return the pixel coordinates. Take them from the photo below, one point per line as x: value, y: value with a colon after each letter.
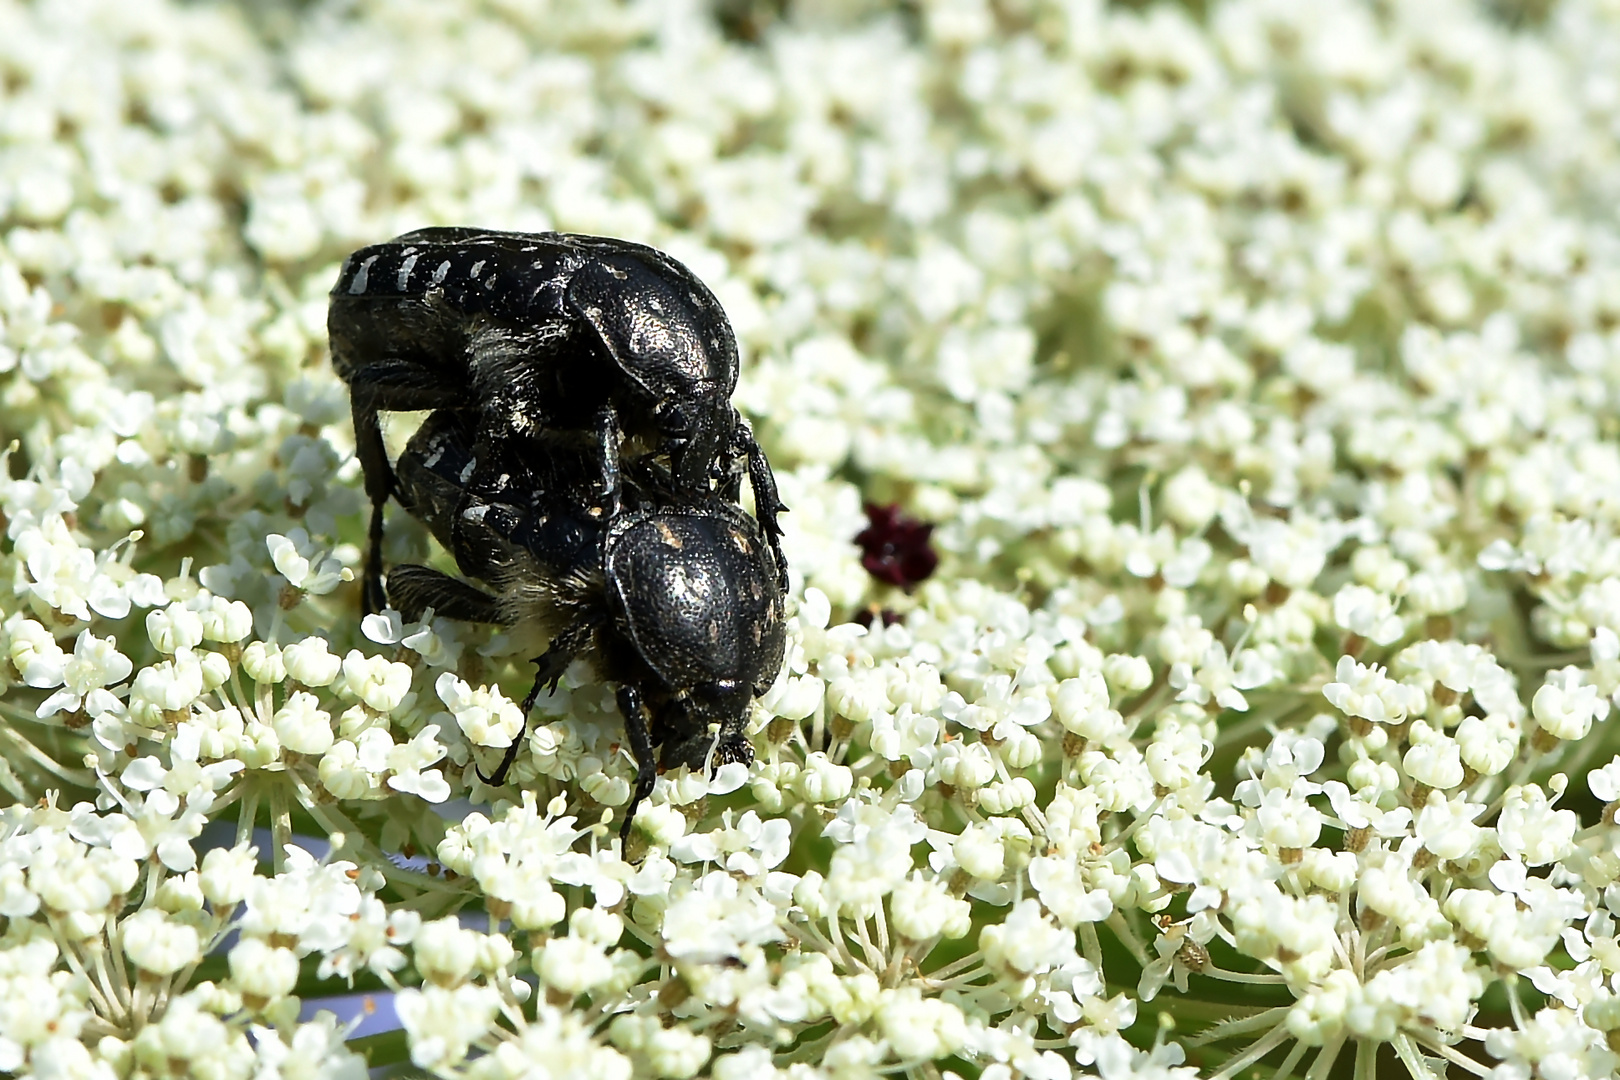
x: 867, y: 616
x: 894, y: 548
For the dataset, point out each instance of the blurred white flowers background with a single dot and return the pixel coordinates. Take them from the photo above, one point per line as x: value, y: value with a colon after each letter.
x: 1258, y: 365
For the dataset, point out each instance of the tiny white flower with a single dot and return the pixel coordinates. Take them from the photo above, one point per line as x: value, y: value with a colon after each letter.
x: 1061, y: 886
x: 445, y: 951
x: 979, y: 851
x: 1605, y: 782
x: 379, y: 682
x: 1436, y: 761
x: 156, y: 943
x: 443, y: 1022
x: 1488, y: 744
x: 263, y: 663
x: 375, y: 941
x: 302, y: 563
x: 921, y: 910
x: 35, y: 653
x: 1217, y: 679
x: 225, y: 620
x: 1367, y: 613
x: 1446, y: 827
x: 437, y: 643
x: 574, y: 965
x: 343, y: 774
x: 262, y: 971
x: 1364, y: 691
x: 1129, y: 674
x: 1530, y: 829
x: 824, y: 781
x: 310, y: 662
x: 918, y: 1028
x: 226, y: 873
x: 484, y: 715
x: 407, y: 764
x: 168, y: 687
x: 384, y: 627
x: 302, y: 725
x: 793, y: 697
x: 174, y: 628
x: 96, y: 665
x: 1565, y: 705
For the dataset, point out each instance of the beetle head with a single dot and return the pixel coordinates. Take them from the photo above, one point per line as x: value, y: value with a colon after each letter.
x: 668, y: 336
x: 707, y: 726
x: 694, y: 431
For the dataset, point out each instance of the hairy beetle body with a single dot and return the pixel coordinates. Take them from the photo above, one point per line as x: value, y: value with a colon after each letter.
x: 680, y: 606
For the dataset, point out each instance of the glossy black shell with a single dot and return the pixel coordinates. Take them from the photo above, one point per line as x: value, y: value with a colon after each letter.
x: 440, y: 293
x: 696, y: 591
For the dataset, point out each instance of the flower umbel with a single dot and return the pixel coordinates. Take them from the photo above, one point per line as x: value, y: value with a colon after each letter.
x: 1234, y: 694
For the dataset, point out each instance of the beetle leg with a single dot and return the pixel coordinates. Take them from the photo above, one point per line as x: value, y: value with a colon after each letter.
x: 397, y: 385
x: 379, y: 477
x: 412, y: 588
x: 548, y: 668
x: 692, y: 456
x: 635, y: 727
x: 728, y: 473
x: 607, y: 434
x: 564, y: 648
x: 767, y: 503
x: 652, y: 481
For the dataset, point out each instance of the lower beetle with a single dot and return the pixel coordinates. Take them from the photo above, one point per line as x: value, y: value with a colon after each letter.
x: 681, y: 606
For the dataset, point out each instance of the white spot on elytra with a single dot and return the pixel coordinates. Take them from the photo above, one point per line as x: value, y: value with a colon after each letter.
x: 440, y: 271
x: 405, y: 269
x: 467, y: 471
x: 358, y: 285
x: 477, y: 266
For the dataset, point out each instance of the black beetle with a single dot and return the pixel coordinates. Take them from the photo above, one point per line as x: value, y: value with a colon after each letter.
x: 558, y: 344
x: 680, y: 606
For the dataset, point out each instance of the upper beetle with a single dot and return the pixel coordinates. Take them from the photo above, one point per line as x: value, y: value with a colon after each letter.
x: 593, y: 346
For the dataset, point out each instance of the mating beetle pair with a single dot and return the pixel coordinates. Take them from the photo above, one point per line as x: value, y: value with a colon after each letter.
x: 560, y: 343
x: 583, y: 460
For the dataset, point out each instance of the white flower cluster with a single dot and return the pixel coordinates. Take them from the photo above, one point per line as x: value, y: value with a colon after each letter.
x: 106, y: 932
x: 1257, y: 362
